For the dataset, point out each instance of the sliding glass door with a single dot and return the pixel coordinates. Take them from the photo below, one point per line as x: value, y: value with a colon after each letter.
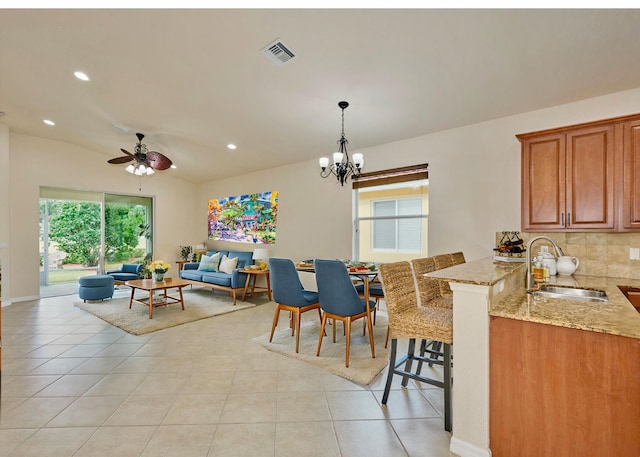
x: 83, y: 233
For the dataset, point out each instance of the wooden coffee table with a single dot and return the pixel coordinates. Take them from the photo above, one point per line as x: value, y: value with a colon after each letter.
x: 150, y: 285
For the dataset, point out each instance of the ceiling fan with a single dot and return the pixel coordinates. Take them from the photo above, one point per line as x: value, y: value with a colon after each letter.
x: 146, y: 162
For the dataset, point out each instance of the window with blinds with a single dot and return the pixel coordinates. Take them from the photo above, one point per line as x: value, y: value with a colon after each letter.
x: 391, y: 214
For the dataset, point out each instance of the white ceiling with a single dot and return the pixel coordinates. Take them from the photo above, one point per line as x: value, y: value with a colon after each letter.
x: 194, y: 80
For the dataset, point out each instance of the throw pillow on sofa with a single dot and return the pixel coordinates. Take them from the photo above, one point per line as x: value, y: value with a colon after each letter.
x: 209, y: 263
x: 227, y: 265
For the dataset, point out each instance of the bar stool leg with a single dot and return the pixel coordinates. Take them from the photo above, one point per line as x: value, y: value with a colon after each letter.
x: 447, y: 388
x: 423, y: 349
x: 410, y: 355
x: 392, y: 367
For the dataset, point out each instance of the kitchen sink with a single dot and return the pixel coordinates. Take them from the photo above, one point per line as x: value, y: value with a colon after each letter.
x: 571, y: 293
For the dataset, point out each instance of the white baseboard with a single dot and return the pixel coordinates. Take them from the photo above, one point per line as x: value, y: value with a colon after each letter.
x: 464, y: 449
x: 30, y: 298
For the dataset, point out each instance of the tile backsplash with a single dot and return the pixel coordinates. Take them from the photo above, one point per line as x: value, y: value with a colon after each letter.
x: 600, y: 254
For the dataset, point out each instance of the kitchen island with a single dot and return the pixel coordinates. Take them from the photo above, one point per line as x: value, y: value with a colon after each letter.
x: 532, y: 370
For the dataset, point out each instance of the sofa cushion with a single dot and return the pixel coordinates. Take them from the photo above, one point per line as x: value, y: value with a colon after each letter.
x: 244, y: 257
x: 227, y: 265
x: 220, y: 279
x: 194, y: 275
x: 209, y: 263
x: 131, y: 268
x: 124, y: 276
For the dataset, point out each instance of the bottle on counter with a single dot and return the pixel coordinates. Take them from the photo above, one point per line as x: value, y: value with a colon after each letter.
x: 548, y: 261
x: 538, y: 272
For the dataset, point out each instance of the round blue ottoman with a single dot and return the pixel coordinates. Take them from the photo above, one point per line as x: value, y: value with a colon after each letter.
x: 96, y: 287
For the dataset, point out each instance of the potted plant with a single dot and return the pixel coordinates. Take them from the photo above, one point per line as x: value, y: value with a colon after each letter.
x: 185, y: 252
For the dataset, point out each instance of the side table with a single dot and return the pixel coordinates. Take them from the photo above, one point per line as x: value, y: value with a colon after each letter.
x: 254, y: 274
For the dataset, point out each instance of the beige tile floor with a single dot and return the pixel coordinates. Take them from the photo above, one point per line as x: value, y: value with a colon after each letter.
x: 73, y: 385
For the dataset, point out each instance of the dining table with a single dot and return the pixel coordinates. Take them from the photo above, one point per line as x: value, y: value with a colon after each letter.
x: 366, y: 275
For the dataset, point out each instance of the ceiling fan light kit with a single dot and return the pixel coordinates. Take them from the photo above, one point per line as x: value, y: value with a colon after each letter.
x: 146, y: 162
x: 342, y: 167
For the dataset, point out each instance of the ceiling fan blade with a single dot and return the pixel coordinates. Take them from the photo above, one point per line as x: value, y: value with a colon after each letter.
x: 123, y: 159
x: 158, y: 161
x: 128, y: 153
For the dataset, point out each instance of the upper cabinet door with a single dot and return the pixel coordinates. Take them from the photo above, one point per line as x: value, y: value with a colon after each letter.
x: 590, y: 178
x: 543, y: 183
x: 631, y: 174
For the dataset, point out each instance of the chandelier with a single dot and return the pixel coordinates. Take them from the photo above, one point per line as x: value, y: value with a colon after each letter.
x: 341, y: 167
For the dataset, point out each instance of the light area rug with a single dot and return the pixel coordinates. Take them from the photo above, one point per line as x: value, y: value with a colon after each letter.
x: 362, y: 369
x: 198, y: 304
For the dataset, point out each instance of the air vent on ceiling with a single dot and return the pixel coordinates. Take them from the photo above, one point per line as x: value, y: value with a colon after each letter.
x: 278, y: 52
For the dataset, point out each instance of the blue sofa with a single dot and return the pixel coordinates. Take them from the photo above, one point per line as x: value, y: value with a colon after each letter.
x: 232, y: 283
x: 128, y: 272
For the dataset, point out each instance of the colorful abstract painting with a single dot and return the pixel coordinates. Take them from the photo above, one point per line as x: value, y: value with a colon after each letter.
x: 245, y: 219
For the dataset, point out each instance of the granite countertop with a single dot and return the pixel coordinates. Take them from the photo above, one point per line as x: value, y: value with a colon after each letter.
x: 616, y: 316
x: 484, y: 272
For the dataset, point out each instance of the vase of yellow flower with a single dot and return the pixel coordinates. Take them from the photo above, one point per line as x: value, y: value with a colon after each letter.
x: 158, y: 269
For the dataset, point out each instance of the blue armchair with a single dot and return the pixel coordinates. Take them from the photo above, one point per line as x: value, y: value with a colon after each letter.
x: 128, y: 272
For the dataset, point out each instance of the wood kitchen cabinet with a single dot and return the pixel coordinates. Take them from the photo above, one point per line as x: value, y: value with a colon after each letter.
x: 583, y: 177
x: 557, y: 391
x: 631, y: 173
x: 568, y: 180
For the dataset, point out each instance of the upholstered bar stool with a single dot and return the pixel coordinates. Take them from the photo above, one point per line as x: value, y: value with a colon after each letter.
x: 457, y: 258
x: 408, y: 320
x: 429, y: 292
x: 443, y: 261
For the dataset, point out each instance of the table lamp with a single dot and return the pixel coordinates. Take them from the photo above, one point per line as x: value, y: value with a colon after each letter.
x: 260, y: 257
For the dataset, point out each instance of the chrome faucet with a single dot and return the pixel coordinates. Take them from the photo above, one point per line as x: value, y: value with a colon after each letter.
x: 556, y: 248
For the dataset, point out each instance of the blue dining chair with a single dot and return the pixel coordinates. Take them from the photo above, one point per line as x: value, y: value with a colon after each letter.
x: 290, y: 295
x: 340, y: 301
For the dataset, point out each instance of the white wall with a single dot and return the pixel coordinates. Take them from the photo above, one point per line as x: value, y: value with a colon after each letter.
x: 36, y: 162
x: 4, y: 211
x: 474, y: 183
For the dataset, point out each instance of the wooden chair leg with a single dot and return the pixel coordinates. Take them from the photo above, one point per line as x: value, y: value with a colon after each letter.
x: 386, y: 340
x: 324, y: 322
x: 276, y: 316
x: 348, y: 331
x: 297, y: 329
x: 371, y: 342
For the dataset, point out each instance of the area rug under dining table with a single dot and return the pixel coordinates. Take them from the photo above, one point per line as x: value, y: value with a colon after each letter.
x: 362, y: 369
x: 199, y: 304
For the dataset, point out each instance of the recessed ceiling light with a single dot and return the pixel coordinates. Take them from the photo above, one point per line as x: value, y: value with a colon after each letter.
x: 82, y: 76
x: 48, y: 122
x: 231, y: 146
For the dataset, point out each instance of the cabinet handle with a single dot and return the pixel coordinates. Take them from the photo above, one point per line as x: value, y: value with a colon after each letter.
x: 561, y: 218
x: 569, y: 219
